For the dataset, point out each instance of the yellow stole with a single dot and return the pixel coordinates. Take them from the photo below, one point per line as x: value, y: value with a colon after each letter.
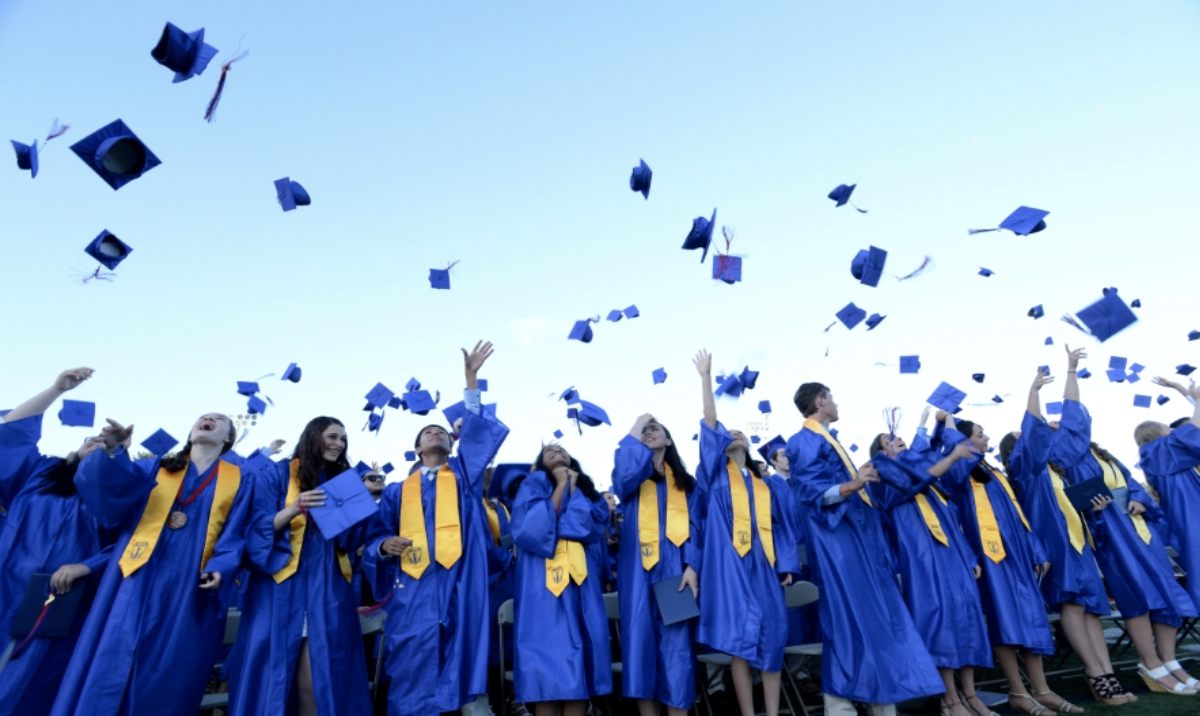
x: 1074, y: 522
x: 1113, y: 479
x: 740, y: 500
x: 298, y: 524
x: 989, y: 529
x: 820, y: 429
x: 158, y: 508
x: 447, y: 529
x: 494, y: 520
x: 931, y: 519
x: 677, y: 517
x: 568, y: 563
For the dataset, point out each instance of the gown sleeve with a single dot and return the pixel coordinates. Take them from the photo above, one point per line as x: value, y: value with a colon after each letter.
x: 809, y: 460
x: 231, y: 545
x: 693, y: 548
x: 633, y: 464
x: 1072, y: 442
x: 267, y: 550
x: 1137, y: 493
x: 783, y: 532
x: 534, y: 524
x: 380, y: 571
x: 115, y: 489
x: 1177, y: 452
x: 713, y: 442
x: 482, y: 436
x: 19, y: 456
x: 957, y: 480
x: 582, y: 520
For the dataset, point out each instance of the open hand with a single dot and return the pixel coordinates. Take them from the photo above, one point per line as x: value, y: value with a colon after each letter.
x: 115, y: 434
x: 1041, y: 379
x: 1073, y: 357
x: 276, y: 446
x: 71, y: 379
x: 474, y: 360
x: 210, y: 580
x: 703, y: 362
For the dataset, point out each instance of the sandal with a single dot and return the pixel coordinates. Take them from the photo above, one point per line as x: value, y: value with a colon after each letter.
x: 1038, y: 708
x: 966, y: 699
x: 1152, y: 676
x: 1191, y: 683
x: 1104, y: 690
x: 948, y: 708
x: 1064, y: 706
x: 1126, y: 696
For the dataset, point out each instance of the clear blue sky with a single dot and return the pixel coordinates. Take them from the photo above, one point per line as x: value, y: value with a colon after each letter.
x: 503, y: 134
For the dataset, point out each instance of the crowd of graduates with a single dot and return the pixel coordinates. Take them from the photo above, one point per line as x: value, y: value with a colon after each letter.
x: 931, y: 562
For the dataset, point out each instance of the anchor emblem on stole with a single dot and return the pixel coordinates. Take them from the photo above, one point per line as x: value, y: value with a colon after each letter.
x: 648, y: 549
x: 743, y: 537
x: 413, y: 555
x: 993, y: 547
x: 136, y: 549
x: 556, y: 573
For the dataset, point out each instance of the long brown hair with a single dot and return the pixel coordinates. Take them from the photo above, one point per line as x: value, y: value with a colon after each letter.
x: 312, y: 454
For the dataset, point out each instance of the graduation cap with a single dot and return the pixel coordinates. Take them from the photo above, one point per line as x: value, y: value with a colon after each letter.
x: 997, y: 399
x: 1054, y: 408
x: 841, y: 194
x: 1141, y: 401
x: 410, y: 455
x: 347, y: 502
x: 1036, y: 312
x: 867, y: 265
x: 874, y: 320
x: 396, y: 402
x: 946, y: 397
x: 632, y: 312
x: 640, y: 179
x: 184, y: 53
x: 570, y: 395
x: 439, y: 278
x: 1022, y: 222
x: 985, y: 272
x: 755, y: 439
x: 1185, y: 369
x: 1115, y: 376
x: 615, y: 315
x: 1044, y: 369
x: 379, y: 396
x: 1084, y: 373
x: 42, y: 619
x: 910, y: 364
x: 853, y: 447
x: 851, y: 315
x: 77, y: 414
x: 749, y: 378
x: 727, y: 268
x: 977, y: 377
x: 558, y: 434
x: 659, y: 375
x: 1049, y: 341
x: 1105, y: 318
x: 27, y: 156
x: 1117, y: 363
x: 582, y: 331
x: 374, y: 423
x: 588, y: 414
x: 388, y: 468
x: 1133, y: 377
x: 246, y: 388
x: 419, y: 401
x: 764, y: 406
x: 1110, y: 291
x: 292, y: 373
x: 775, y: 443
x: 108, y: 249
x: 362, y: 468
x: 160, y: 443
x: 700, y: 237
x: 412, y: 384
x: 1163, y: 400
x: 290, y: 194
x: 256, y: 405
x: 1194, y: 336
x: 116, y: 154
x: 1137, y: 303
x: 481, y: 385
x: 503, y: 475
x: 730, y: 385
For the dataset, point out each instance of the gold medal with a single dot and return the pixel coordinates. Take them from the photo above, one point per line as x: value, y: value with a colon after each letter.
x: 176, y: 520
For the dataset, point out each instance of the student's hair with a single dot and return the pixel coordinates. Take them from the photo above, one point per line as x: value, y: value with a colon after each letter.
x: 179, y: 461
x: 60, y: 479
x: 773, y: 452
x: 877, y: 445
x: 979, y: 472
x: 1104, y: 454
x: 806, y: 397
x: 1007, y: 444
x: 583, y: 482
x: 1180, y: 422
x: 1148, y: 432
x: 312, y: 455
x: 417, y: 442
x: 683, y: 478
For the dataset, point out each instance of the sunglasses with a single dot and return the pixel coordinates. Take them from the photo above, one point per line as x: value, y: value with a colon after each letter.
x: 374, y: 478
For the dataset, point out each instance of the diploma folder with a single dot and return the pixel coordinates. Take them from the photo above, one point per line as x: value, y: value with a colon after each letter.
x: 59, y: 617
x: 674, y: 605
x: 1081, y: 493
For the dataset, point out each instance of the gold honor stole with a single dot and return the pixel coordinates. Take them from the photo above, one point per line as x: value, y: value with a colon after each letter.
x: 989, y: 529
x: 1114, y: 479
x: 568, y: 563
x: 494, y: 520
x: 447, y: 529
x: 677, y: 517
x: 931, y: 519
x: 1074, y: 523
x: 819, y: 429
x: 298, y: 524
x: 740, y: 500
x: 158, y: 508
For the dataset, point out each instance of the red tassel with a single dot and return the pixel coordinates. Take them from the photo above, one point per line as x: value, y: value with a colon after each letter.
x: 374, y: 608
x: 216, y: 98
x: 57, y: 130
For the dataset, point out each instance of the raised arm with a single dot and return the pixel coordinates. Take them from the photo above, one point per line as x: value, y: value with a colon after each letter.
x: 633, y: 462
x: 1034, y: 406
x: 703, y: 362
x: 40, y: 403
x: 474, y: 360
x: 480, y: 435
x: 961, y: 451
x: 1073, y: 356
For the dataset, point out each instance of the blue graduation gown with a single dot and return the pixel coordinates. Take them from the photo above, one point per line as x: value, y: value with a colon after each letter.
x: 151, y: 638
x: 1073, y: 576
x: 1170, y: 464
x: 658, y: 661
x: 937, y: 581
x: 742, y: 609
x: 41, y: 533
x: 269, y: 636
x: 1012, y: 603
x: 872, y: 652
x: 562, y: 644
x: 501, y: 577
x: 437, y: 626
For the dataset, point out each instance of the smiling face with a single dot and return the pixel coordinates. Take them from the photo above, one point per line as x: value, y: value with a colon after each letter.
x: 654, y: 437
x: 212, y: 429
x: 555, y: 456
x: 333, y: 442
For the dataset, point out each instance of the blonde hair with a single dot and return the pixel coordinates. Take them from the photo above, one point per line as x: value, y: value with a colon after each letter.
x: 1149, y: 431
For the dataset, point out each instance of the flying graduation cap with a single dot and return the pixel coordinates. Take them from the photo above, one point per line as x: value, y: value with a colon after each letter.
x: 1141, y: 401
x: 27, y: 156
x: 160, y: 443
x: 1104, y: 318
x: 867, y: 266
x: 659, y: 375
x: 292, y: 373
x: 1163, y: 400
x: 1036, y: 312
x: 184, y: 53
x: 700, y: 237
x: 1022, y: 222
x: 440, y: 278
x: 640, y: 179
x: 108, y: 250
x: 582, y: 330
x: 290, y: 194
x: 985, y: 272
x: 764, y: 406
x: 851, y: 315
x: 910, y: 364
x: 77, y: 413
x: 874, y: 320
x: 946, y: 397
x: 116, y: 154
x: 1194, y: 336
x: 841, y: 194
x: 727, y: 268
x: 977, y: 377
x: 1185, y: 369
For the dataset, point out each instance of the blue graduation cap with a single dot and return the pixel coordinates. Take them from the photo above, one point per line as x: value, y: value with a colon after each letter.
x: 1194, y: 336
x: 1107, y: 317
x: 558, y: 434
x: 1054, y: 408
x: 347, y: 502
x: 419, y: 401
x: 1133, y: 377
x: 775, y: 443
x: 841, y: 194
x: 412, y: 384
x: 1137, y: 368
x: 108, y: 249
x: 379, y: 396
x: 659, y: 375
x: 374, y: 422
x: 410, y: 455
x: 851, y: 315
x: 1115, y: 376
x: 1117, y: 363
x: 290, y: 194
x: 867, y: 265
x: 292, y: 373
x: 256, y: 405
x: 1036, y: 312
x: 581, y: 331
x: 632, y: 312
x: 481, y: 384
x: 749, y: 378
x: 439, y: 278
x: 833, y: 432
x: 853, y: 447
x: 116, y: 154
x: 754, y: 439
x: 591, y: 414
x: 1044, y: 369
x: 570, y: 395
x: 362, y: 468
x: 997, y: 399
x: 27, y: 156
x: 700, y: 237
x: 247, y: 388
x: 1084, y: 373
x: 1141, y: 401
x: 730, y: 385
x: 1049, y: 340
x: 977, y: 377
x: 985, y: 272
x: 503, y: 476
x: 1022, y: 222
x: 454, y: 412
x: 764, y: 406
x: 77, y: 414
x: 1162, y: 400
x: 910, y: 364
x: 1137, y: 303
x: 727, y: 268
x: 387, y: 468
x: 1110, y: 291
x: 184, y: 53
x: 160, y: 443
x: 874, y: 320
x: 640, y: 179
x: 946, y: 397
x: 1185, y: 369
x: 615, y: 315
x: 396, y: 403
